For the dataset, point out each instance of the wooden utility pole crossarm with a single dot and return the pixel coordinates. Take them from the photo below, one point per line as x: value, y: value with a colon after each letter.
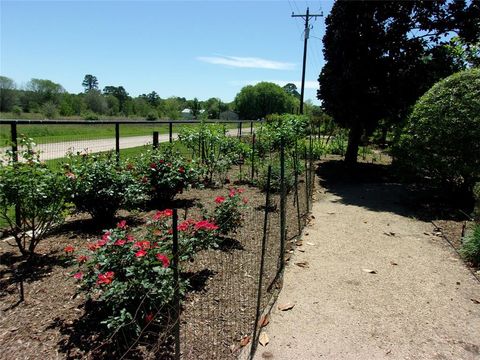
x: 306, y: 17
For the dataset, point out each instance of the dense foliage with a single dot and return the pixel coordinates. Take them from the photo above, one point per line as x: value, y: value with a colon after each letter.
x: 441, y: 139
x: 100, y: 185
x: 258, y: 101
x: 377, y: 67
x: 165, y: 173
x: 217, y: 151
x: 36, y: 192
x: 470, y: 249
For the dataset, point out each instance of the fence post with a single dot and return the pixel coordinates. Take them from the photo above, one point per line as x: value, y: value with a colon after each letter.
x: 262, y: 264
x: 283, y: 196
x: 155, y: 139
x: 176, y: 295
x: 117, y: 140
x: 307, y: 170
x: 239, y: 129
x: 18, y: 218
x: 296, y: 199
x: 253, y: 156
x: 170, y: 132
x: 14, y: 137
x: 251, y: 127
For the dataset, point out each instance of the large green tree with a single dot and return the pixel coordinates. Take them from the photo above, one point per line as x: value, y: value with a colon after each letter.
x: 90, y: 82
x: 265, y: 98
x: 7, y: 93
x: 382, y: 55
x: 120, y: 93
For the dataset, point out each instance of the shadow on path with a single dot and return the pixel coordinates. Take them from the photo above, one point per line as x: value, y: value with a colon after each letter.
x: 377, y: 187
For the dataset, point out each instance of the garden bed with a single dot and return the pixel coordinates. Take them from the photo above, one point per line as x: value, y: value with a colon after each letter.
x: 218, y: 310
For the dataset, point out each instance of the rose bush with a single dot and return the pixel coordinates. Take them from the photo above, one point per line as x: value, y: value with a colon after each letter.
x: 36, y: 191
x: 165, y: 173
x: 100, y: 185
x: 131, y: 277
x: 228, y: 211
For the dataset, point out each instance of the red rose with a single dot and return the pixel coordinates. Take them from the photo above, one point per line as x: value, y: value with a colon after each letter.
x: 105, y: 278
x: 163, y: 259
x: 220, y: 199
x: 69, y: 249
x: 122, y: 224
x: 78, y: 276
x: 140, y: 253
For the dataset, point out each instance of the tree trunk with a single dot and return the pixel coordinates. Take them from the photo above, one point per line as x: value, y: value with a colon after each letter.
x: 354, y: 137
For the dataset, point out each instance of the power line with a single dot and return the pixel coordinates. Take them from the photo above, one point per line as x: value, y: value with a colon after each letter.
x: 306, y: 17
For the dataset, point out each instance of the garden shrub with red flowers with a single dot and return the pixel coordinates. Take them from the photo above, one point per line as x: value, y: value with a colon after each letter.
x: 228, y: 211
x: 132, y: 278
x: 165, y: 173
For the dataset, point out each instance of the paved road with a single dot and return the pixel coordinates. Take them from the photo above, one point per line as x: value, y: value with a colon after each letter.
x: 59, y: 150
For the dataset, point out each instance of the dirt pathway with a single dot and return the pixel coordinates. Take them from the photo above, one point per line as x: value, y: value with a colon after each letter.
x: 418, y: 304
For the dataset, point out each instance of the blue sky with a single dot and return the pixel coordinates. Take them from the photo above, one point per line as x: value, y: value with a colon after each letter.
x: 197, y: 49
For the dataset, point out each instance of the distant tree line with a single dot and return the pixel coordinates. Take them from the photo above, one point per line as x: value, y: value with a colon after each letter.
x: 51, y: 100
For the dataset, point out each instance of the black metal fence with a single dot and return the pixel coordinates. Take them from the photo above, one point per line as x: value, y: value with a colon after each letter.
x: 231, y: 288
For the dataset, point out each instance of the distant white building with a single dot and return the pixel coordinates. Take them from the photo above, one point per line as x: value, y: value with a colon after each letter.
x: 187, y: 114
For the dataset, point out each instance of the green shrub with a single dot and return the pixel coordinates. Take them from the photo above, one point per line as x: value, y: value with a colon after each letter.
x: 152, y: 115
x: 217, y: 151
x: 98, y: 185
x: 165, y: 173
x: 441, y: 141
x: 49, y: 110
x: 476, y: 196
x: 275, y: 180
x: 227, y: 214
x: 290, y: 128
x: 17, y: 110
x: 470, y: 249
x: 90, y: 115
x: 38, y: 193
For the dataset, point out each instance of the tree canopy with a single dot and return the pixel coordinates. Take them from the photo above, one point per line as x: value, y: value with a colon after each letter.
x: 382, y: 55
x: 90, y: 82
x: 265, y: 98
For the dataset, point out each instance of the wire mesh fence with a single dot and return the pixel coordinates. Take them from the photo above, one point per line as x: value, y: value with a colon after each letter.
x: 225, y: 290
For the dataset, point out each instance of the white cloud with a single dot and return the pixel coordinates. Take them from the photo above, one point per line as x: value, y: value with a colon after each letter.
x: 247, y: 62
x: 309, y: 84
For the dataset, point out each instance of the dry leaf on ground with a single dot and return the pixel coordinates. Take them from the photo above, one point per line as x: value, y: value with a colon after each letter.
x: 267, y: 355
x: 264, y: 320
x: 311, y: 244
x: 302, y: 264
x: 286, y: 306
x: 475, y: 301
x: 245, y: 340
x: 263, y: 339
x: 393, y: 263
x: 369, y: 271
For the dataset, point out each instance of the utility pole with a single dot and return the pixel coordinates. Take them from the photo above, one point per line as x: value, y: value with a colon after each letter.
x: 306, y: 17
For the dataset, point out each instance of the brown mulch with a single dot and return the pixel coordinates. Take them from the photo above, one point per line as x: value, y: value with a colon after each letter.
x: 55, y: 321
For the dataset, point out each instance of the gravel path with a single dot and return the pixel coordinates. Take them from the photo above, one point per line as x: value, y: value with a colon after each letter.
x: 418, y: 304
